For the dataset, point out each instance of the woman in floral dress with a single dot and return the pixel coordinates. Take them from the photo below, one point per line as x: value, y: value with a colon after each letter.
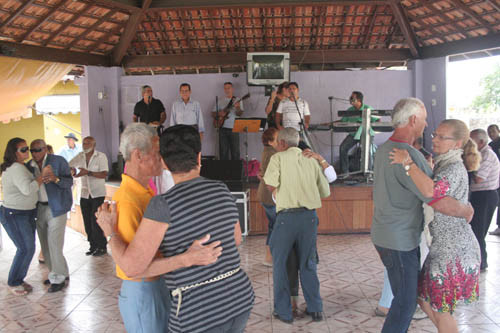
x: 451, y: 270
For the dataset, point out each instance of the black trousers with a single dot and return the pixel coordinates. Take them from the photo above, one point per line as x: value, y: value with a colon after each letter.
x: 95, y: 236
x: 484, y: 204
x: 229, y: 144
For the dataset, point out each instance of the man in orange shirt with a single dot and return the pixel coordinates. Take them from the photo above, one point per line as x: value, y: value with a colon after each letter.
x: 144, y: 300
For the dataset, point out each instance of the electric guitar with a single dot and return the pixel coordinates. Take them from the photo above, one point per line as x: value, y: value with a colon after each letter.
x: 220, y: 119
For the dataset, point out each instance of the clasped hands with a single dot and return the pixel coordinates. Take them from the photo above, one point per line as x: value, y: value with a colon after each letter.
x: 48, y: 175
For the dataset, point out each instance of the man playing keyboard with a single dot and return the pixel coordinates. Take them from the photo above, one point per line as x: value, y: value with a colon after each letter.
x: 352, y: 139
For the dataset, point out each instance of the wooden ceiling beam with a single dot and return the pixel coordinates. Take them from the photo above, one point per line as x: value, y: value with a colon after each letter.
x: 239, y: 58
x: 51, y: 54
x: 15, y: 14
x: 405, y: 27
x: 129, y: 5
x: 169, y: 4
x: 40, y: 21
x: 61, y: 28
x: 129, y: 33
x: 476, y: 17
x: 368, y: 33
x: 97, y: 23
x: 462, y: 46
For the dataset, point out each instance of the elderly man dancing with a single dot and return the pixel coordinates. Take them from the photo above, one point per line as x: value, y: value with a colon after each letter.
x: 300, y: 184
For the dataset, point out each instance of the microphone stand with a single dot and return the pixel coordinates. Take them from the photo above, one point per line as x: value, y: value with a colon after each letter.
x: 303, y: 129
x: 331, y: 99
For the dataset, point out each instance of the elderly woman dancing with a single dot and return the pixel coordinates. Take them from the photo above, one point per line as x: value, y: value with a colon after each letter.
x: 451, y: 270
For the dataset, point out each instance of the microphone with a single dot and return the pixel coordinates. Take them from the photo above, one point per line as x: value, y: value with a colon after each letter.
x: 338, y: 99
x: 149, y: 99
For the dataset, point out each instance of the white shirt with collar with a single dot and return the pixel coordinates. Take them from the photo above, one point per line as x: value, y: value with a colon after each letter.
x: 42, y: 194
x: 91, y: 186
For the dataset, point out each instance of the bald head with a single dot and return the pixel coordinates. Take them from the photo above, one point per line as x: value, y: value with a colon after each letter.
x: 88, y: 144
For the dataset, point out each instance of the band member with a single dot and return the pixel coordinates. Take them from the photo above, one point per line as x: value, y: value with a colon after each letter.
x: 149, y: 110
x: 187, y: 111
x: 274, y: 101
x: 229, y: 142
x: 293, y: 110
x: 352, y: 139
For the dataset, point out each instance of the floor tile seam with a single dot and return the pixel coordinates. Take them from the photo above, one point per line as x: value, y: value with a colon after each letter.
x: 74, y: 308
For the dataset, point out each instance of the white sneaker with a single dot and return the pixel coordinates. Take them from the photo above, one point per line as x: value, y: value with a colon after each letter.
x: 495, y: 232
x: 419, y: 314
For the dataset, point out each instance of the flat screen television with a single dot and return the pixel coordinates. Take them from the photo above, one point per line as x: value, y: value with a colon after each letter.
x: 268, y: 68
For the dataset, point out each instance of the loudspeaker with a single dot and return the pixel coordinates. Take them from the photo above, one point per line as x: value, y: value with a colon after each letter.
x: 229, y: 172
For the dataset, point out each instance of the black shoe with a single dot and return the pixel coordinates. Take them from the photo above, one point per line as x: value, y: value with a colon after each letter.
x: 316, y: 316
x: 54, y: 287
x: 99, y: 252
x: 90, y: 252
x: 286, y: 321
x: 47, y: 282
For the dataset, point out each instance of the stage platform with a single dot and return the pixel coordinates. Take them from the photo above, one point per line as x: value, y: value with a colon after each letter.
x: 348, y: 209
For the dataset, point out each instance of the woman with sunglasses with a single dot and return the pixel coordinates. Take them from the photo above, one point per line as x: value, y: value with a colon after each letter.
x: 450, y: 274
x: 20, y: 195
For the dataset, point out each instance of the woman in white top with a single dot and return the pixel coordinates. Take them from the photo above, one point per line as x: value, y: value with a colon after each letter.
x: 20, y: 195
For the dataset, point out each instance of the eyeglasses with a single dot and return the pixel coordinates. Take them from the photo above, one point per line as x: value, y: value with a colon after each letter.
x: 440, y: 137
x: 36, y: 150
x: 23, y: 149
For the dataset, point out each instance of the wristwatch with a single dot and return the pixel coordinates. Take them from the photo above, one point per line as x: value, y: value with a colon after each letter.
x: 57, y: 180
x: 408, y: 167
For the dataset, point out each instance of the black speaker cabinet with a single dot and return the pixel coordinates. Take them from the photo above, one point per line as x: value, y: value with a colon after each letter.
x: 229, y: 172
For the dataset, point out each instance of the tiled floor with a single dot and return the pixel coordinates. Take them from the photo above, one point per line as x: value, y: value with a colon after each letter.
x: 350, y: 274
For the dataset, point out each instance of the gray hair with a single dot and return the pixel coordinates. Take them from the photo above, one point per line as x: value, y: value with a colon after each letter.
x: 136, y: 136
x: 404, y: 109
x: 480, y: 134
x: 290, y: 136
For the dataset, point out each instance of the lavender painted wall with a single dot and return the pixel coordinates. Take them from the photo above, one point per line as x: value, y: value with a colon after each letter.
x: 429, y: 85
x: 381, y: 89
x: 100, y: 117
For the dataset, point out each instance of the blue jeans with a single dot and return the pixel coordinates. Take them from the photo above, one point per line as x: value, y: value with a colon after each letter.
x: 234, y: 325
x: 144, y: 306
x: 299, y: 228
x: 20, y: 226
x: 271, y: 218
x: 402, y: 268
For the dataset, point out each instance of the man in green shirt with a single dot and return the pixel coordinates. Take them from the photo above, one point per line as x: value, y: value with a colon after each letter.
x: 299, y: 184
x: 352, y: 139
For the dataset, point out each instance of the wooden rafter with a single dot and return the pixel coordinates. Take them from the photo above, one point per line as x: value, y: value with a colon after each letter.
x: 239, y: 58
x: 63, y: 26
x: 291, y: 44
x: 191, y: 4
x: 182, y: 13
x: 97, y: 23
x: 405, y: 27
x: 15, y: 14
x: 472, y: 14
x: 129, y: 33
x: 462, y: 46
x: 114, y: 31
x: 367, y: 35
x: 430, y: 5
x: 50, y: 54
x: 40, y: 21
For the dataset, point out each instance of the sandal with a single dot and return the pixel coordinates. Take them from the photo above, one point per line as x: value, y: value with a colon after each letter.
x: 18, y: 290
x: 28, y: 287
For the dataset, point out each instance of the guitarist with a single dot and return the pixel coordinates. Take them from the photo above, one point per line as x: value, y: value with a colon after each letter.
x: 273, y: 103
x: 229, y: 142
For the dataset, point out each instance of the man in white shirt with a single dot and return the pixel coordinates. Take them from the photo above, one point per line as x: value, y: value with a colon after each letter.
x: 93, y: 169
x: 287, y: 114
x: 71, y: 149
x: 187, y: 111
